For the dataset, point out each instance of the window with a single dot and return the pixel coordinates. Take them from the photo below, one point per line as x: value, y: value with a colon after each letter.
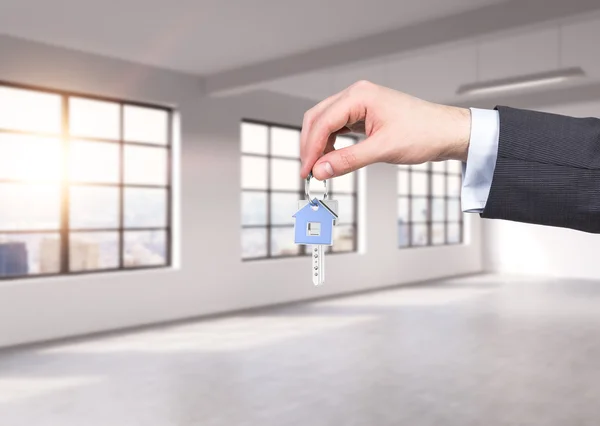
x: 271, y: 187
x: 84, y: 183
x: 429, y: 211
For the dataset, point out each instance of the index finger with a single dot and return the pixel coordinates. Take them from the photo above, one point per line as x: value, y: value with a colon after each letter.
x: 346, y: 110
x: 309, y: 118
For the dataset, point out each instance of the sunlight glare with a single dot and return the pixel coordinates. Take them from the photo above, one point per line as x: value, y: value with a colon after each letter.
x: 29, y: 110
x: 30, y: 158
x: 94, y: 119
x: 29, y: 206
x: 94, y: 162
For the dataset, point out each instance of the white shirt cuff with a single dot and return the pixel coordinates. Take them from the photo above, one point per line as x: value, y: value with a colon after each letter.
x: 478, y: 172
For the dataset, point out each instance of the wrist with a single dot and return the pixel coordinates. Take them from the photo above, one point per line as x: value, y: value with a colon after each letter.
x: 462, y: 132
x: 457, y: 129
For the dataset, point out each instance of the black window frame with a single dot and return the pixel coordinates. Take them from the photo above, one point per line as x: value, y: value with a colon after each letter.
x: 64, y: 231
x: 429, y: 172
x: 269, y: 226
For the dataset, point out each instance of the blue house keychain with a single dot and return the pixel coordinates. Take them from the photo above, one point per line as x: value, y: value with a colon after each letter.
x: 313, y: 225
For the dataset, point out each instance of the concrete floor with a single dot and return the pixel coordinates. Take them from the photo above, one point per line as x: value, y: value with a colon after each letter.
x: 473, y: 351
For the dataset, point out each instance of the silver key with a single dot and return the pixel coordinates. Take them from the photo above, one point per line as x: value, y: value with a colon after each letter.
x: 318, y: 261
x: 318, y: 250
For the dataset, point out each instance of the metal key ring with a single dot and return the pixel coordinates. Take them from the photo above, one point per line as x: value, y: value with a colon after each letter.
x: 307, y: 190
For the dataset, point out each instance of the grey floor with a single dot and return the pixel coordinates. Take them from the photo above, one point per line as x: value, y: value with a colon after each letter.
x: 473, y: 351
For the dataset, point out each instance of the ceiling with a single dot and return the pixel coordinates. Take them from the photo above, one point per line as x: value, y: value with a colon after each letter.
x: 209, y: 36
x: 437, y: 72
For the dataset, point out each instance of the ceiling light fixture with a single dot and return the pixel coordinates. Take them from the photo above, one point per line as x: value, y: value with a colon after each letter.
x: 521, y: 82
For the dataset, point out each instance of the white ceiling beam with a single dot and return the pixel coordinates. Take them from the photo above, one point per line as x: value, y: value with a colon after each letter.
x: 489, y: 19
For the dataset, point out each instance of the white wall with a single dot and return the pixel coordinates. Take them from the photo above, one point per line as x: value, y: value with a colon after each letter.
x: 517, y: 248
x: 212, y: 277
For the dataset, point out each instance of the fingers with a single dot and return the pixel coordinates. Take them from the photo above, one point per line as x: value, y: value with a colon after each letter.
x: 346, y: 160
x: 346, y: 109
x: 309, y: 118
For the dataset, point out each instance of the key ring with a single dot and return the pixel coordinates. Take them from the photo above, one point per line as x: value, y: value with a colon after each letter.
x: 307, y: 190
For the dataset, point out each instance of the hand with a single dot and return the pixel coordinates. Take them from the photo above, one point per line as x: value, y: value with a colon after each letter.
x: 400, y: 129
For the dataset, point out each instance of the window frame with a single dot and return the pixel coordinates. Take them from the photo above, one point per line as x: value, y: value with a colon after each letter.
x: 430, y: 197
x: 64, y: 230
x: 268, y: 226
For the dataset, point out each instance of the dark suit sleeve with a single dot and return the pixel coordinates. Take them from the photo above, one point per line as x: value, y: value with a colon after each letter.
x: 547, y: 171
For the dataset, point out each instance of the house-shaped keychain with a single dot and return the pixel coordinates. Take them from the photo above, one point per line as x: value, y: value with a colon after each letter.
x: 314, y: 224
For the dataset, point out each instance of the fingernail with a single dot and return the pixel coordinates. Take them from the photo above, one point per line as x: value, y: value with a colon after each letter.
x: 326, y: 169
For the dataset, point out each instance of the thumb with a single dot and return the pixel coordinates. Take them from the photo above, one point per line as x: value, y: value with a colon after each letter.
x: 346, y: 160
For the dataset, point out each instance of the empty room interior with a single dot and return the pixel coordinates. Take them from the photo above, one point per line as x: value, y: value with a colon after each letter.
x: 151, y: 194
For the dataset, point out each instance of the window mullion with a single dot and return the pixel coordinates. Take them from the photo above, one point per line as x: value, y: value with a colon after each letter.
x: 269, y: 192
x: 430, y: 205
x: 65, y: 208
x: 169, y: 231
x: 122, y: 189
x: 410, y: 206
x: 446, y: 199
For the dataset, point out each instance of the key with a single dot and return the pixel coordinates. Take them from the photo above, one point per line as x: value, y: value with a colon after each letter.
x: 313, y: 226
x: 318, y: 257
